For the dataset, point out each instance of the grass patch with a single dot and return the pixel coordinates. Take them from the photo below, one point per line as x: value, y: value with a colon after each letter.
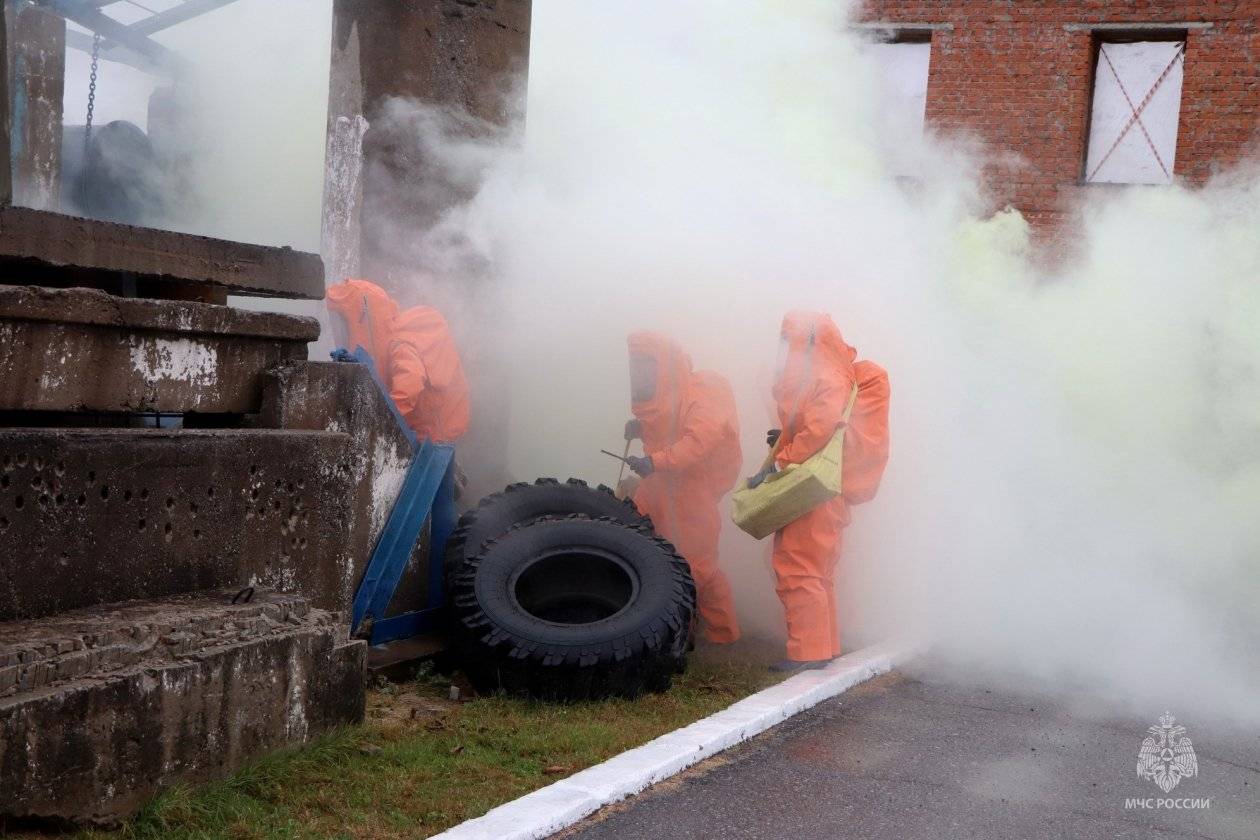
x: 421, y: 764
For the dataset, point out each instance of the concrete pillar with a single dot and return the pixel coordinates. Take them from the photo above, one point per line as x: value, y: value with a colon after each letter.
x: 468, y: 54
x: 6, y: 170
x: 36, y: 64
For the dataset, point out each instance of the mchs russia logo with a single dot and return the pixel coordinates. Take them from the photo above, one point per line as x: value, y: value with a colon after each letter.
x: 1167, y: 755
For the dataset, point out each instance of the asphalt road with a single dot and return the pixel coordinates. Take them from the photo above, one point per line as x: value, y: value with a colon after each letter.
x: 900, y: 758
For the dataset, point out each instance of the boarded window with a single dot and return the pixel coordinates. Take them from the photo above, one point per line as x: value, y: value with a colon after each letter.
x: 1137, y: 103
x: 902, y: 70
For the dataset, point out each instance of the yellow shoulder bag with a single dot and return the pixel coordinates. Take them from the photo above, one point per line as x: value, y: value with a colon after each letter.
x: 794, y: 491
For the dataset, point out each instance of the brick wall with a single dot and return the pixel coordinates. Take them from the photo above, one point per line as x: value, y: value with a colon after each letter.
x: 1012, y: 73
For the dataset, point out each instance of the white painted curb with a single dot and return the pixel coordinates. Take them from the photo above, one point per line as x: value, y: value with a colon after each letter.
x: 545, y: 811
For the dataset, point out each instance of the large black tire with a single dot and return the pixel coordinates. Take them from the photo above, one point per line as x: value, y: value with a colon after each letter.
x: 523, y: 503
x: 573, y: 609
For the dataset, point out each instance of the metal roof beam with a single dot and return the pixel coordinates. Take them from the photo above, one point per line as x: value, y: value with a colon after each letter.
x: 111, y: 51
x: 87, y: 14
x: 177, y: 15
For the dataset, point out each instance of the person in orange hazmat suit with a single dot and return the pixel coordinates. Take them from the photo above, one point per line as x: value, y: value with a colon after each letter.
x: 690, y: 431
x: 815, y: 379
x: 414, y: 355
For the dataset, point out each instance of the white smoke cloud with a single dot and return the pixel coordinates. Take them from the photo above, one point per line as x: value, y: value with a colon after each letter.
x: 1076, y: 451
x: 258, y: 95
x: 254, y: 97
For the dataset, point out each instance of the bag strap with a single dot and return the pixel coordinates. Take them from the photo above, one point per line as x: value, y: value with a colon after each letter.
x: 848, y: 409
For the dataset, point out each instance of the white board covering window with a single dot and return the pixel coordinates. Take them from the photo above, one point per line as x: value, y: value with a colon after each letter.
x: 1137, y: 104
x: 901, y: 69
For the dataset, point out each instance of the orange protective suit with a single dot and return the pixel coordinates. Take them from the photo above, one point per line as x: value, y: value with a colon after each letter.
x: 367, y: 313
x: 426, y: 378
x: 691, y: 432
x: 414, y: 355
x: 811, y: 391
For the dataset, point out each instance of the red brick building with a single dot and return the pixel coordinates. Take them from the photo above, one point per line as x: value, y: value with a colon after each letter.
x: 1084, y: 92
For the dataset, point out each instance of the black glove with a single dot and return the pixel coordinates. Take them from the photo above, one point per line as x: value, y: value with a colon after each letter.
x: 772, y: 437
x: 634, y: 430
x: 756, y: 480
x: 640, y: 466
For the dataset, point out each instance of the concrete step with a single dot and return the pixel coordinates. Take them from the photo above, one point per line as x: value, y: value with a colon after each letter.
x: 97, y: 516
x: 101, y: 708
x: 53, y: 249
x: 94, y: 516
x: 72, y: 350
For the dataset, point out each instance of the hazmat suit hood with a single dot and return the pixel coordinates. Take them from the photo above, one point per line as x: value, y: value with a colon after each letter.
x: 659, y: 411
x: 366, y: 312
x: 813, y: 354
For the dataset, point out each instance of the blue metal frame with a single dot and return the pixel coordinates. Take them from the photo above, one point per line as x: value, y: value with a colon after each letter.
x: 427, y: 494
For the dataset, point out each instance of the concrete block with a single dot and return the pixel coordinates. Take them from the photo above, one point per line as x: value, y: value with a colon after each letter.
x: 340, y: 396
x: 93, y: 748
x: 93, y: 516
x: 98, y: 516
x: 71, y: 350
x: 51, y: 249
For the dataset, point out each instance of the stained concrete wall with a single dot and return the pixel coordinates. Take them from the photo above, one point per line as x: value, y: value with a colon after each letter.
x: 335, y: 396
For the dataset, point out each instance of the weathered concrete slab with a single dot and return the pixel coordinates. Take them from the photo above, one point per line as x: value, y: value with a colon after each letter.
x: 90, y: 516
x: 119, y: 702
x: 94, y: 516
x: 337, y: 396
x: 85, y: 350
x: 51, y: 249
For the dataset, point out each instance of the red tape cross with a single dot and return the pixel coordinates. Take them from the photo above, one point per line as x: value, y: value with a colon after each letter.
x: 1137, y: 111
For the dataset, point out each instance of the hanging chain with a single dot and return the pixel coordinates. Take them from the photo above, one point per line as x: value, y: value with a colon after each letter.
x: 96, y: 61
